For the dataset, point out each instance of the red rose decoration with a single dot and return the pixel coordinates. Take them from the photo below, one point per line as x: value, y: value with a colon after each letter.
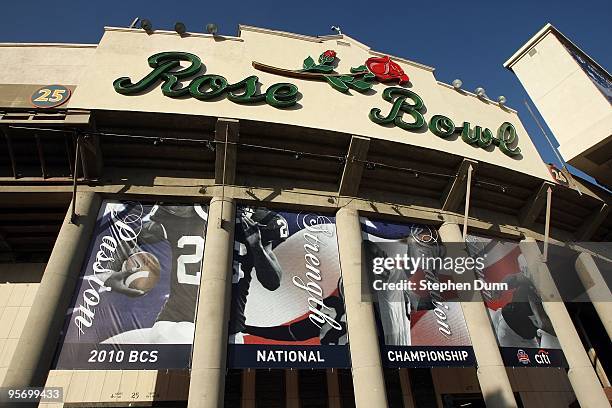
x: 330, y: 53
x: 327, y: 57
x: 385, y: 69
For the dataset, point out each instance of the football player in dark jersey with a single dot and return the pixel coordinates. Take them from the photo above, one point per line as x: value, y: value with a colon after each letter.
x: 258, y: 231
x: 183, y: 227
x: 522, y: 322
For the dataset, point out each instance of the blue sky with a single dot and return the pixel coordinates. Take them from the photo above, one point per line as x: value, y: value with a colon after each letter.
x: 469, y: 40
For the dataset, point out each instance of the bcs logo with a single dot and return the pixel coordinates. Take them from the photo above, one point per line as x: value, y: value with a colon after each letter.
x: 522, y: 357
x: 542, y: 357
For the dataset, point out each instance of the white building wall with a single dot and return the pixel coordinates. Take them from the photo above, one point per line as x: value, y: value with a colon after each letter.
x: 44, y: 64
x: 574, y: 109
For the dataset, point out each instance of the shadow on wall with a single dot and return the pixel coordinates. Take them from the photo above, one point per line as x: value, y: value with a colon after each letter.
x: 21, y: 272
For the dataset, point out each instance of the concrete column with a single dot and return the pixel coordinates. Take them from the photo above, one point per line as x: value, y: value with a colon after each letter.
x: 333, y: 389
x: 207, y: 384
x: 32, y: 359
x: 598, y: 289
x: 585, y: 383
x: 492, y: 377
x: 368, y: 380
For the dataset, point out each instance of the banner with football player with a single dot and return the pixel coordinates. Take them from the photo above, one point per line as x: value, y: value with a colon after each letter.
x: 523, y: 330
x: 134, y: 306
x: 287, y: 307
x: 417, y: 327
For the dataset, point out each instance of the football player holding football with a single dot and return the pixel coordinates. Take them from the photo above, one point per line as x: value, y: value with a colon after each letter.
x: 183, y: 227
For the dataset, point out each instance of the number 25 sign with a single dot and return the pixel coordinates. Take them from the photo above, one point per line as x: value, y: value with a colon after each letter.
x: 50, y: 96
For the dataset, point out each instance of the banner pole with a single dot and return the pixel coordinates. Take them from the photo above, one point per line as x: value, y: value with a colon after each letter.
x: 223, y: 180
x: 467, y: 201
x: 547, y: 225
x: 73, y: 214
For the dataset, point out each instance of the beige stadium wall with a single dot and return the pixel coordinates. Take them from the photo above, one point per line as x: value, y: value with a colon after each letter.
x: 18, y: 286
x: 44, y: 64
x: 119, y: 386
x: 574, y: 109
x: 124, y: 53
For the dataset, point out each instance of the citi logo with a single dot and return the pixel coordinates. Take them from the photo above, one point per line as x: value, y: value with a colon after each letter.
x: 522, y: 357
x: 542, y: 357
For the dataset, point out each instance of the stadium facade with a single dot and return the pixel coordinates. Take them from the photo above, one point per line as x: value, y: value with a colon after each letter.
x: 185, y: 221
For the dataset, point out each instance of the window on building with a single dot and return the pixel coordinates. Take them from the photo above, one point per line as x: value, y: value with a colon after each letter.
x: 347, y: 394
x: 393, y: 387
x: 313, y: 388
x: 270, y: 389
x: 233, y: 389
x: 463, y: 401
x: 470, y: 401
x: 422, y: 387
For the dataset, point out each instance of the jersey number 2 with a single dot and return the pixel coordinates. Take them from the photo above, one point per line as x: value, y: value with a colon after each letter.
x: 196, y: 258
